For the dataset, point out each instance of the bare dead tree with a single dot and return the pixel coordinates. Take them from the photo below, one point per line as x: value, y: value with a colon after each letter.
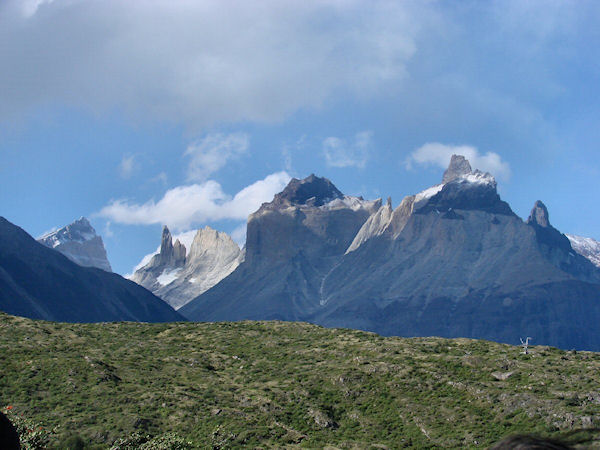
x: 525, y: 345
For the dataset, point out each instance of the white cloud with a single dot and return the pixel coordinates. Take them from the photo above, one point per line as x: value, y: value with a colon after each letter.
x: 212, y: 152
x: 339, y: 153
x: 107, y: 230
x: 183, y: 207
x: 201, y: 63
x: 127, y: 166
x: 434, y: 153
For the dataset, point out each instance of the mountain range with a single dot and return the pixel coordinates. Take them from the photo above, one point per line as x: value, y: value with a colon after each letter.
x: 453, y: 260
x: 41, y: 283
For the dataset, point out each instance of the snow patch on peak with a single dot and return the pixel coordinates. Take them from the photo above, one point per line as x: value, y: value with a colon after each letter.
x: 428, y: 193
x: 353, y: 203
x: 477, y: 177
x: 168, y: 276
x: 586, y: 247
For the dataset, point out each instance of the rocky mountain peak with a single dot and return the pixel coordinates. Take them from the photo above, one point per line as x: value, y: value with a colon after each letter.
x: 166, y: 242
x: 459, y: 166
x: 539, y: 215
x: 177, y: 277
x: 311, y: 191
x: 178, y: 253
x: 169, y: 255
x: 209, y: 240
x: 79, y: 242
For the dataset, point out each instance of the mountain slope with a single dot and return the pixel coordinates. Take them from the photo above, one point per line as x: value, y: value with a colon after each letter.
x: 80, y: 243
x: 41, y: 283
x: 453, y: 260
x: 177, y: 277
x: 292, y: 243
x: 463, y: 264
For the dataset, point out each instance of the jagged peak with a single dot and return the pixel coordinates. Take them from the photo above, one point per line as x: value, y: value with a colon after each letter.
x: 80, y: 231
x: 166, y: 242
x: 83, y: 221
x: 310, y: 191
x: 209, y: 239
x: 539, y: 215
x: 459, y: 166
x: 460, y: 170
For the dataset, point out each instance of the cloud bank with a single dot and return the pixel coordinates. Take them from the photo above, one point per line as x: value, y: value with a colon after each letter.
x: 437, y: 154
x: 183, y: 207
x: 199, y: 63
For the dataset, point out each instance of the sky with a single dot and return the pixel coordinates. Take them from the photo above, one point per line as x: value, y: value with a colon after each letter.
x: 143, y: 113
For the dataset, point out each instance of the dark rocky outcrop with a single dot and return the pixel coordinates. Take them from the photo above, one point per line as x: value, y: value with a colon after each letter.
x: 312, y: 191
x: 41, y: 283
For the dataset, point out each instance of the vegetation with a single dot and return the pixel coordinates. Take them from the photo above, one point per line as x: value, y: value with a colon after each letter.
x: 277, y: 384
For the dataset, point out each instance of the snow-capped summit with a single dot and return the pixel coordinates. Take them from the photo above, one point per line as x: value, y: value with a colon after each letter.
x: 79, y: 231
x: 461, y: 187
x: 79, y: 242
x: 587, y: 247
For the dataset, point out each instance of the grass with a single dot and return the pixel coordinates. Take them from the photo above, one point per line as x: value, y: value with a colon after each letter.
x: 278, y: 384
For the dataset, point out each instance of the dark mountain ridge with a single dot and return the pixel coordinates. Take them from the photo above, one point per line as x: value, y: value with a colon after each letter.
x: 41, y: 283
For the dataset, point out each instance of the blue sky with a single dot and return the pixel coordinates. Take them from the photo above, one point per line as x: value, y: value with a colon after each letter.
x: 136, y: 114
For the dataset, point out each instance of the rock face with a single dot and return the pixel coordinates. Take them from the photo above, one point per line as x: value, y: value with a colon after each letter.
x: 453, y: 260
x: 458, y: 167
x: 80, y: 243
x: 292, y: 243
x: 177, y: 278
x: 587, y: 247
x: 41, y: 283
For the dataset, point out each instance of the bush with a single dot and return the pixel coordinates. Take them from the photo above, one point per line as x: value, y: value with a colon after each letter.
x: 32, y: 435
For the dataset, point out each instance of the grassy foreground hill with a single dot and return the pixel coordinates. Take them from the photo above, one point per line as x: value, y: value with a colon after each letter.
x: 277, y: 384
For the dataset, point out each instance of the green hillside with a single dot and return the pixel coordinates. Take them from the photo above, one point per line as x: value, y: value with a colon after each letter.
x: 276, y: 384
